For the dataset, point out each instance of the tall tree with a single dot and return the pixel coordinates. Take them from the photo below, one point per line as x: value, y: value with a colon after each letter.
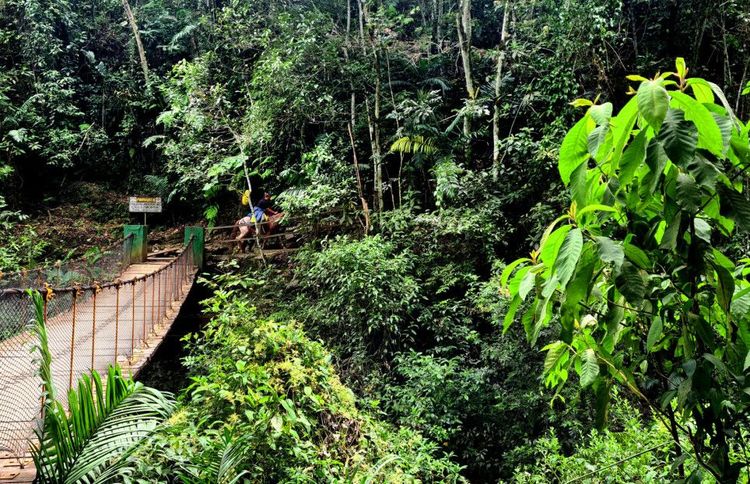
x: 501, y: 50
x: 137, y: 37
x: 463, y: 27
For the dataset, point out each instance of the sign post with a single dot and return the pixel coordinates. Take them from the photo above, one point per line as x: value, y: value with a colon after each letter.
x: 145, y: 205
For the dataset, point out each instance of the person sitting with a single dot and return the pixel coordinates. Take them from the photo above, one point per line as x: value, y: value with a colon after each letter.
x: 264, y: 213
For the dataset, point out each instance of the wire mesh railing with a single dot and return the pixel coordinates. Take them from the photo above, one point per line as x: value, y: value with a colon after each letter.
x: 89, y: 326
x: 95, y: 265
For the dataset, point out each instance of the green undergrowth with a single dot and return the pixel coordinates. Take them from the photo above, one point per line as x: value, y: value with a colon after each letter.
x: 632, y: 449
x: 267, y: 400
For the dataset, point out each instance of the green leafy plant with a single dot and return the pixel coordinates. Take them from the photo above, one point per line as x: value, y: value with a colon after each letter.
x: 266, y: 404
x: 634, y: 274
x: 637, y: 450
x: 361, y: 288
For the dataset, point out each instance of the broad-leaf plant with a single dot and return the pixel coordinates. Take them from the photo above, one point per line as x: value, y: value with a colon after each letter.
x: 634, y: 274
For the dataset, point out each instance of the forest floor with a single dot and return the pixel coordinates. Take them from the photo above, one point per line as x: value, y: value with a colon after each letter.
x: 87, y: 217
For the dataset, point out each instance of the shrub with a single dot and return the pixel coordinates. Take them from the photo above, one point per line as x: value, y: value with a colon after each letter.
x: 267, y: 399
x: 362, y: 289
x: 637, y: 452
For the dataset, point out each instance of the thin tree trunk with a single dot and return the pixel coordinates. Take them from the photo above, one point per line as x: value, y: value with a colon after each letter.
x: 360, y: 189
x: 498, y: 86
x: 137, y: 37
x: 398, y: 130
x: 361, y: 13
x: 439, y: 29
x: 463, y: 27
x: 376, y: 148
x: 353, y: 118
x: 739, y: 92
x: 435, y: 48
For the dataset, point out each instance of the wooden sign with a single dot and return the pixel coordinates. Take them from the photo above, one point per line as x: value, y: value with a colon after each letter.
x: 145, y: 204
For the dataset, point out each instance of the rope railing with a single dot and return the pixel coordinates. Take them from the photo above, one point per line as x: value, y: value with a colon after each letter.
x: 90, y: 326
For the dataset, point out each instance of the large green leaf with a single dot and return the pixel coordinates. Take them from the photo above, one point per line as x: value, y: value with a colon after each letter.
x: 720, y: 94
x: 527, y: 284
x: 574, y: 148
x: 741, y: 303
x: 622, y: 126
x: 688, y: 193
x: 555, y: 352
x: 589, y: 367
x: 709, y: 134
x: 701, y: 90
x: 735, y: 206
x: 511, y: 313
x: 679, y: 138
x: 610, y: 251
x: 704, y: 172
x: 578, y: 288
x: 579, y: 184
x: 552, y: 244
x: 570, y: 252
x: 633, y: 157
x: 599, y: 142
x: 631, y: 282
x: 654, y: 332
x: 656, y: 160
x: 509, y: 270
x: 653, y: 102
x: 724, y: 287
x: 635, y: 255
x: 601, y: 113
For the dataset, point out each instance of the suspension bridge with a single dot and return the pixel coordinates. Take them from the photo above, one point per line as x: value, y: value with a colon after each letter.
x: 114, y: 307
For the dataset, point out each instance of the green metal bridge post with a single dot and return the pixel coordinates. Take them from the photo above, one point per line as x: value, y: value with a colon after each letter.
x: 136, y: 248
x: 199, y: 241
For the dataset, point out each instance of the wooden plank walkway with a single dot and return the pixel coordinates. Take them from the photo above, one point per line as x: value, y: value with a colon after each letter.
x: 123, y: 325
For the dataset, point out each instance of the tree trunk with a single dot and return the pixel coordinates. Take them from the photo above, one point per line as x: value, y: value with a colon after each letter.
x: 376, y: 149
x: 435, y: 47
x: 463, y: 27
x: 137, y: 36
x: 498, y: 86
x: 438, y: 27
x: 361, y: 12
x: 360, y: 189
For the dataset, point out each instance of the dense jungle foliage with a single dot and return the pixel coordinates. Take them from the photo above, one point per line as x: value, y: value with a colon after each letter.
x: 444, y: 322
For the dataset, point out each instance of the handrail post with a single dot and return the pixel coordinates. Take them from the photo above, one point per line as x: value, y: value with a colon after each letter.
x: 198, y: 235
x: 138, y: 250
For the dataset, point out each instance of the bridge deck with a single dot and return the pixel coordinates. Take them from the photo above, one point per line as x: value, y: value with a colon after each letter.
x: 123, y: 324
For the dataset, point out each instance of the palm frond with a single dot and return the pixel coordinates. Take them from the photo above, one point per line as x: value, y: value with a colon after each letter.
x: 414, y: 144
x: 372, y: 474
x: 231, y: 457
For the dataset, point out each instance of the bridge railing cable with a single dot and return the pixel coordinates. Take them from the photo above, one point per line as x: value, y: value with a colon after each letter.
x: 90, y: 326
